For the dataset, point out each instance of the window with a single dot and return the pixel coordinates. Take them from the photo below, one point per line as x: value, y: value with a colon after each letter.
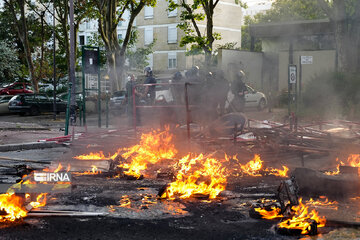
x: 17, y: 87
x: 120, y: 36
x: 172, y: 34
x: 88, y: 38
x: 174, y: 12
x: 172, y: 60
x: 148, y: 36
x: 87, y: 25
x: 149, y: 12
x: 82, y: 40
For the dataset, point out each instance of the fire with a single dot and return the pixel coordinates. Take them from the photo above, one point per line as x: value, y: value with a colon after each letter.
x: 334, y: 172
x: 354, y: 160
x: 58, y: 168
x: 94, y: 171
x: 255, y: 168
x: 92, y: 156
x: 197, y: 175
x: 40, y: 201
x: 324, y: 202
x: 278, y: 172
x: 252, y: 168
x: 302, y: 219
x: 125, y: 201
x: 273, y: 213
x: 13, y: 206
x: 153, y: 147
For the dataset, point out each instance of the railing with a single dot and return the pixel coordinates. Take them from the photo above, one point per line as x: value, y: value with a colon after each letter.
x: 187, y: 106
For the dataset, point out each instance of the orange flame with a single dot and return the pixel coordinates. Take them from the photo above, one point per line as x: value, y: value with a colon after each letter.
x: 278, y: 172
x: 197, y: 175
x: 273, y: 213
x: 301, y: 218
x: 13, y: 206
x: 255, y: 167
x: 40, y: 201
x: 153, y: 147
x: 58, y: 168
x: 125, y: 201
x: 354, y: 160
x: 92, y: 156
x: 325, y: 202
x: 252, y: 168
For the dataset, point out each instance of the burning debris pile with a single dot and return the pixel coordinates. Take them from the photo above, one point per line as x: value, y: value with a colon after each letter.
x: 198, y: 175
x: 15, y: 206
x: 353, y: 162
x: 295, y: 216
x: 255, y: 168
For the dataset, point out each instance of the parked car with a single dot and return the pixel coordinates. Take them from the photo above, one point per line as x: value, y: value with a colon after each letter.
x: 116, y: 103
x: 34, y: 104
x: 253, y: 99
x: 4, y: 103
x: 16, y: 88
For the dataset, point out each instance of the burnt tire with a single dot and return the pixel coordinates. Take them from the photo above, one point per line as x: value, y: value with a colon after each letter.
x: 262, y: 104
x: 34, y: 111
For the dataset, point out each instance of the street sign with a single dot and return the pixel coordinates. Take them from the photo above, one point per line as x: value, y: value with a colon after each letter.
x: 306, y: 59
x: 292, y: 74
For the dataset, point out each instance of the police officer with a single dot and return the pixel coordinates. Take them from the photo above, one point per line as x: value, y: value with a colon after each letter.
x: 130, y: 90
x: 238, y: 88
x: 149, y: 90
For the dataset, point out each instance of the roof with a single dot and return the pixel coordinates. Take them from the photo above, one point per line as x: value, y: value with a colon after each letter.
x: 294, y: 28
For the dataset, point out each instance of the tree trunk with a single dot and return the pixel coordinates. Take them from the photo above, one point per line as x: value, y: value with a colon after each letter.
x: 22, y: 31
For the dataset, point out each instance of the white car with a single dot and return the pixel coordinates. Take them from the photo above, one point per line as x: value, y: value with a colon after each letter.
x: 253, y: 99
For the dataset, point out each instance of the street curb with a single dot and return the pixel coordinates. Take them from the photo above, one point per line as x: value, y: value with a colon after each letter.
x: 28, y: 146
x: 23, y: 129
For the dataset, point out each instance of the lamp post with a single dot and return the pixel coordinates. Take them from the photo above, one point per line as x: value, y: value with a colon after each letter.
x: 72, y: 62
x: 54, y: 63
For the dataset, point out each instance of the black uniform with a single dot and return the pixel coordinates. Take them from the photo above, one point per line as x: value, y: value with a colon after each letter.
x: 238, y: 88
x: 151, y: 80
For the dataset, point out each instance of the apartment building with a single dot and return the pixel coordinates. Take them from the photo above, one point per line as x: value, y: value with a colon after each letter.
x: 160, y: 25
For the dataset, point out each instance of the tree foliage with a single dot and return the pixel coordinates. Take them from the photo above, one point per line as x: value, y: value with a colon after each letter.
x: 192, y: 13
x: 109, y: 13
x: 9, y: 63
x: 291, y: 10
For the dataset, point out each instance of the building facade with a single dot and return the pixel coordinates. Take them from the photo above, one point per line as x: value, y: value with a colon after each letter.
x: 160, y: 25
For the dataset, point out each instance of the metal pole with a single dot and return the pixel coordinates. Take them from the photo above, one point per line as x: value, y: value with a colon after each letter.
x: 83, y: 102
x: 134, y: 107
x: 72, y: 62
x: 68, y: 111
x: 107, y: 109
x: 54, y: 63
x: 99, y: 90
x: 187, y: 111
x: 300, y: 81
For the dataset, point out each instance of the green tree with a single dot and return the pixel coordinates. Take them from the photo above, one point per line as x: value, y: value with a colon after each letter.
x: 345, y: 16
x: 109, y: 13
x: 246, y: 38
x: 192, y: 13
x: 290, y: 10
x: 9, y: 62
